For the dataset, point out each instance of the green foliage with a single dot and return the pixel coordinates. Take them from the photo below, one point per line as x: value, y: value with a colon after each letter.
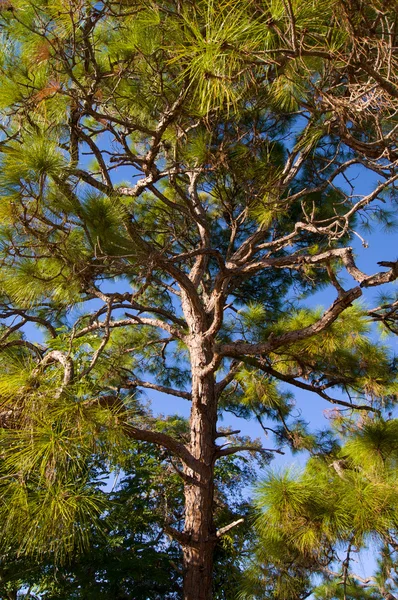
x: 49, y: 490
x: 212, y: 43
x: 311, y: 522
x: 128, y: 552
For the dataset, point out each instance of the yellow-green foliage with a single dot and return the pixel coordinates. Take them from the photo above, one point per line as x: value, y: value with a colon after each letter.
x: 347, y: 498
x: 344, y: 347
x: 50, y: 498
x: 37, y: 157
x: 259, y: 390
x: 30, y: 282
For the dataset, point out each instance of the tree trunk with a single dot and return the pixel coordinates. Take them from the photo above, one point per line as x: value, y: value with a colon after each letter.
x: 199, y: 487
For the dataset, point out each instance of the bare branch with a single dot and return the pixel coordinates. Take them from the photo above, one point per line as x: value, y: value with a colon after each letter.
x: 104, y: 342
x: 235, y: 449
x: 26, y: 317
x: 133, y: 320
x: 223, y: 530
x: 227, y: 433
x: 260, y: 364
x: 95, y: 183
x: 24, y: 343
x: 221, y: 385
x: 159, y: 388
x: 65, y: 361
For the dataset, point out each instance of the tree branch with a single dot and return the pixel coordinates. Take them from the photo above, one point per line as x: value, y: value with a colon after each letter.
x: 65, y: 361
x: 159, y: 388
x: 308, y: 387
x: 235, y: 449
x: 133, y: 320
x: 165, y: 441
x: 38, y: 351
x: 223, y: 530
x: 239, y: 349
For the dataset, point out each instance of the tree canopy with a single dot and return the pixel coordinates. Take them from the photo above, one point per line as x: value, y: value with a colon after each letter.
x: 177, y: 179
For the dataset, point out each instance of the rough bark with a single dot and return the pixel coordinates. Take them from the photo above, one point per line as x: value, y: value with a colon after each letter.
x: 200, y: 532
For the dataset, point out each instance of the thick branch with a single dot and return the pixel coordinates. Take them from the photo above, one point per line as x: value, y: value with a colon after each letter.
x: 65, y: 361
x: 240, y: 349
x: 165, y: 441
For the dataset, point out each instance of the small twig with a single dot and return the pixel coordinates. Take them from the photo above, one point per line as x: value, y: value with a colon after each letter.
x: 104, y: 342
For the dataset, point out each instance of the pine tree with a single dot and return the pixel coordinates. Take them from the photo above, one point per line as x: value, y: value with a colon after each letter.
x: 238, y: 128
x: 314, y: 524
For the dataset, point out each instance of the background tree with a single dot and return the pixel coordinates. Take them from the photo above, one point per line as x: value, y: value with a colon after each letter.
x: 239, y: 128
x: 314, y: 524
x: 128, y: 553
